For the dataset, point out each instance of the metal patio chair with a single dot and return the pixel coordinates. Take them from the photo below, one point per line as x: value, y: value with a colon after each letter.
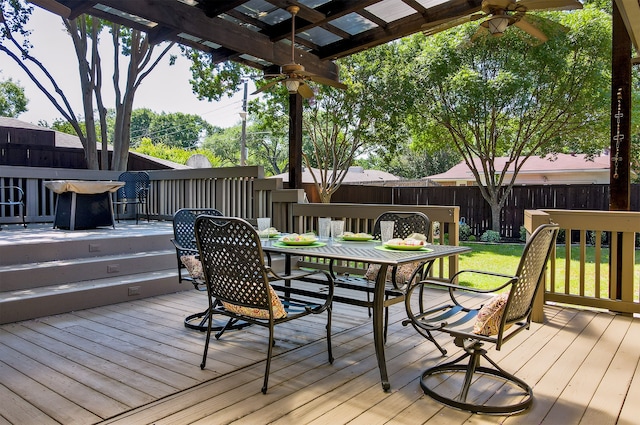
x: 237, y: 276
x: 189, y: 266
x: 405, y: 223
x: 507, y: 313
x: 12, y: 197
x: 134, y: 192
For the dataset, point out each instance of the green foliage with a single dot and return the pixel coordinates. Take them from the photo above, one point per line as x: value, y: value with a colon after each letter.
x: 490, y: 236
x: 523, y: 233
x: 510, y: 96
x: 13, y: 102
x: 178, y: 129
x: 465, y: 232
x: 211, y: 80
x: 173, y: 153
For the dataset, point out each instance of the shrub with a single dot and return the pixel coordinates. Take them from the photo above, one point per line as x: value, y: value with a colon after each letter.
x: 490, y: 236
x: 523, y: 234
x: 465, y: 231
x: 472, y: 238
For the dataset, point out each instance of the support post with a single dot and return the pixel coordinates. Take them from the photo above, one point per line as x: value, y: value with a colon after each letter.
x: 620, y: 180
x: 295, y: 141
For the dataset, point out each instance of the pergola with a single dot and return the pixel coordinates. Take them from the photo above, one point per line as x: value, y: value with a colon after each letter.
x: 257, y: 33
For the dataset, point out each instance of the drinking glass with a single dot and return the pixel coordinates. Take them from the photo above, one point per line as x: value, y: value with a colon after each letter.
x: 324, y: 228
x: 337, y: 228
x: 263, y: 224
x: 386, y: 230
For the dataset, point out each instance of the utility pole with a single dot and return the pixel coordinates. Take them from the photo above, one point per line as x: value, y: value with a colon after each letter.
x: 243, y: 138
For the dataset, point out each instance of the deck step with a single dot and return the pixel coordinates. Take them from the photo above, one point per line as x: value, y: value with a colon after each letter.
x: 66, y: 297
x: 34, y: 275
x: 45, y: 271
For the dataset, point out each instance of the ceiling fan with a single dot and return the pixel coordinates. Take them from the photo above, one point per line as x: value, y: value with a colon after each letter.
x: 498, y: 15
x: 294, y: 75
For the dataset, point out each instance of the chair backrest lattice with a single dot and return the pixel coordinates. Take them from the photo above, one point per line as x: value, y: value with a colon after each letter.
x: 233, y: 261
x: 406, y: 223
x: 136, y: 185
x: 184, y: 221
x: 530, y: 273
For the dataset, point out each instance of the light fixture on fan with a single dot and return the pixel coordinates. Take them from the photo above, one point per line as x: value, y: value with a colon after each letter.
x: 498, y: 23
x: 292, y: 86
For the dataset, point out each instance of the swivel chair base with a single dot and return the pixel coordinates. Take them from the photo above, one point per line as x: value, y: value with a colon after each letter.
x: 450, y: 384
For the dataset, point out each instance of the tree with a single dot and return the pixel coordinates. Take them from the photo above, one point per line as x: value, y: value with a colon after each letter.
x: 268, y: 134
x: 511, y: 96
x: 141, y: 58
x: 85, y: 35
x: 13, y: 102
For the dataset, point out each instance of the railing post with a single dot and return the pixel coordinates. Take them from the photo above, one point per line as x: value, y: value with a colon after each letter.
x: 533, y: 219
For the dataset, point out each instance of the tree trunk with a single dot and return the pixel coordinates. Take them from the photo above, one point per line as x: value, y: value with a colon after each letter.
x: 496, y: 210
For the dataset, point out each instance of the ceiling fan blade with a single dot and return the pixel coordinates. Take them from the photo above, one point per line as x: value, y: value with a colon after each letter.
x: 529, y: 28
x: 450, y: 24
x: 305, y: 91
x: 267, y: 86
x: 481, y: 32
x: 322, y: 80
x: 551, y: 4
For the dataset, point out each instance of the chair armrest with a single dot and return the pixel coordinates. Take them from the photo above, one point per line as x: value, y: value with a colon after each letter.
x: 452, y: 287
x: 182, y: 248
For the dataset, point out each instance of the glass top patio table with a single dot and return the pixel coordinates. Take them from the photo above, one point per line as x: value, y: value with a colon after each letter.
x: 368, y: 253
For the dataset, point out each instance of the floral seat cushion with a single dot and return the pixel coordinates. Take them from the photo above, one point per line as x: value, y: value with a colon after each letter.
x: 490, y: 315
x: 403, y: 272
x: 193, y: 265
x: 279, y: 311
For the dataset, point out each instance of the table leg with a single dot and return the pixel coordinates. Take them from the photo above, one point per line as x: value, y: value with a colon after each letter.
x: 378, y: 325
x: 72, y: 215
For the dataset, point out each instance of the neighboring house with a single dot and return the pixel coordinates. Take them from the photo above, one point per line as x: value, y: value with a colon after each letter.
x: 355, y: 175
x: 26, y: 144
x: 552, y: 169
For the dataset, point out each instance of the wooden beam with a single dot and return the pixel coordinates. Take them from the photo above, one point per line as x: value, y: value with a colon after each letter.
x: 400, y: 28
x: 189, y: 19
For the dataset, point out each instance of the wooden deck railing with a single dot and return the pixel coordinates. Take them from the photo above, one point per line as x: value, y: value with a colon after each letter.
x: 595, y: 263
x: 243, y: 192
x: 236, y: 191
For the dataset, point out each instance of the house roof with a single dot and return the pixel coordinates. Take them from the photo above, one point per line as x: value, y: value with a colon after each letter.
x: 559, y: 163
x: 354, y: 175
x: 65, y: 140
x: 62, y: 140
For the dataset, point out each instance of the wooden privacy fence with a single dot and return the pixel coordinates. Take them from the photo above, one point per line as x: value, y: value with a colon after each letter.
x: 476, y: 210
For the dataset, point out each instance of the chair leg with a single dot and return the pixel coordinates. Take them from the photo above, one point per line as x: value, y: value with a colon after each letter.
x: 207, y: 339
x: 268, y: 366
x: 329, y: 349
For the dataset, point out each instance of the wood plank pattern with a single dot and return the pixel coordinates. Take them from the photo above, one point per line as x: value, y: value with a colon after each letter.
x: 135, y: 363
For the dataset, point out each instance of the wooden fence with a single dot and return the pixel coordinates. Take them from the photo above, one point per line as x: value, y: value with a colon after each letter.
x: 476, y: 211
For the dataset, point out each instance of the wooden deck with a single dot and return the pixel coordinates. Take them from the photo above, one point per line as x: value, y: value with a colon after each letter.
x: 135, y: 363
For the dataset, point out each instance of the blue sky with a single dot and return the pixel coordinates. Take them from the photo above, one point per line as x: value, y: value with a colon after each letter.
x: 166, y: 89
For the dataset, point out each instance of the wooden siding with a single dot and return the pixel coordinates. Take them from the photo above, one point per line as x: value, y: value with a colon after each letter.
x: 134, y: 363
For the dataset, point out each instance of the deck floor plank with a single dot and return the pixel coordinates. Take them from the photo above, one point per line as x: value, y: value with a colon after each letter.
x: 135, y: 363
x: 582, y: 388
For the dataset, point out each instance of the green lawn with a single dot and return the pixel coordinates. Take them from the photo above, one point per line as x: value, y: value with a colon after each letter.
x: 503, y: 258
